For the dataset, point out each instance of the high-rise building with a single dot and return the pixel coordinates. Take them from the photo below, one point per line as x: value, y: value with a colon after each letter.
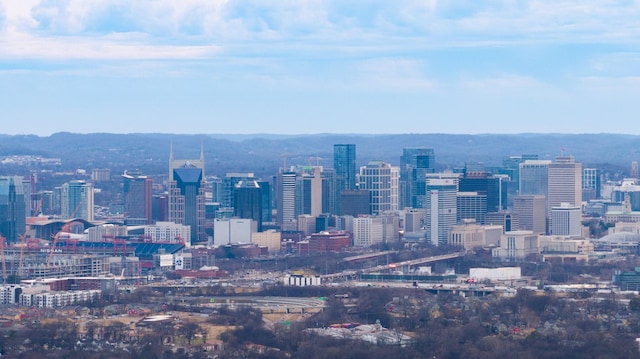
x: 532, y: 212
x: 415, y: 163
x: 591, y: 184
x: 381, y: 180
x: 368, y: 231
x: 187, y: 195
x: 534, y: 177
x: 485, y: 184
x: 286, y: 215
x: 566, y: 220
x: 138, y: 198
x: 511, y: 168
x: 471, y: 205
x: 12, y: 208
x: 76, y: 200
x: 311, y: 191
x: 344, y: 163
x: 229, y: 183
x: 248, y: 202
x: 330, y: 202
x: 565, y: 183
x: 508, y: 220
x: 440, y: 205
x: 634, y: 169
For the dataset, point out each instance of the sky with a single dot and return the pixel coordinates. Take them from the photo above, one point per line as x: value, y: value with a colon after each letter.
x: 319, y: 66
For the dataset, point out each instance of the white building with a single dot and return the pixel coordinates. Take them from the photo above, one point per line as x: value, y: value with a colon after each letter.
x: 381, y: 180
x: 168, y: 232
x: 440, y: 204
x: 565, y: 183
x: 233, y: 230
x: 504, y: 273
x: 367, y: 231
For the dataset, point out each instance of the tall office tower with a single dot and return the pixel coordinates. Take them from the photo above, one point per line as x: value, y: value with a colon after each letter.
x: 12, y: 208
x: 76, y: 200
x: 565, y: 183
x: 215, y: 185
x: 46, y: 202
x: 310, y: 191
x: 566, y: 220
x: 28, y: 186
x: 381, y: 180
x: 286, y: 215
x: 591, y: 185
x: 229, y: 183
x: 329, y: 199
x: 440, y: 205
x: 247, y: 202
x: 344, y: 163
x: 486, y: 184
x: 511, y: 168
x: 265, y: 198
x: 187, y: 196
x: 534, y: 177
x: 160, y: 208
x: 634, y: 169
x: 532, y: 212
x: 471, y: 205
x: 138, y: 198
x: 415, y: 163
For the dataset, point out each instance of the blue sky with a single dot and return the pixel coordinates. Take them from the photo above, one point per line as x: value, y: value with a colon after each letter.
x: 314, y: 66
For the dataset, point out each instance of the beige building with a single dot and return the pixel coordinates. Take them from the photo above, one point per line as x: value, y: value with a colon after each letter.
x: 517, y: 245
x: 270, y: 239
x: 471, y: 235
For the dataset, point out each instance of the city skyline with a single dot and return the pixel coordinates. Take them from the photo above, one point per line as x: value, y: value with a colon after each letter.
x: 243, y: 67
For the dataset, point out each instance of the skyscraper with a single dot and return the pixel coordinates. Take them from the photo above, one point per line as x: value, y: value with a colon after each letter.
x: 565, y: 183
x: 186, y: 195
x: 534, y: 177
x: 532, y: 212
x: 591, y: 184
x: 344, y: 163
x: 12, y: 208
x: 76, y: 200
x: 566, y: 220
x: 286, y: 215
x: 381, y: 180
x: 247, y: 202
x: 485, y: 184
x: 440, y: 205
x: 138, y: 198
x: 415, y: 163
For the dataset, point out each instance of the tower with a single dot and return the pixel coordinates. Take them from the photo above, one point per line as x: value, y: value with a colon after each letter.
x: 381, y: 180
x: 440, y: 205
x: 534, y: 177
x: 186, y: 195
x: 138, y: 198
x: 247, y: 202
x: 414, y: 164
x: 591, y: 184
x: 565, y: 183
x: 286, y: 200
x: 531, y: 211
x: 344, y: 163
x: 12, y: 208
x: 76, y: 200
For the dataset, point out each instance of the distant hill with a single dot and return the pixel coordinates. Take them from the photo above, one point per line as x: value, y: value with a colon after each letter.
x: 264, y: 154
